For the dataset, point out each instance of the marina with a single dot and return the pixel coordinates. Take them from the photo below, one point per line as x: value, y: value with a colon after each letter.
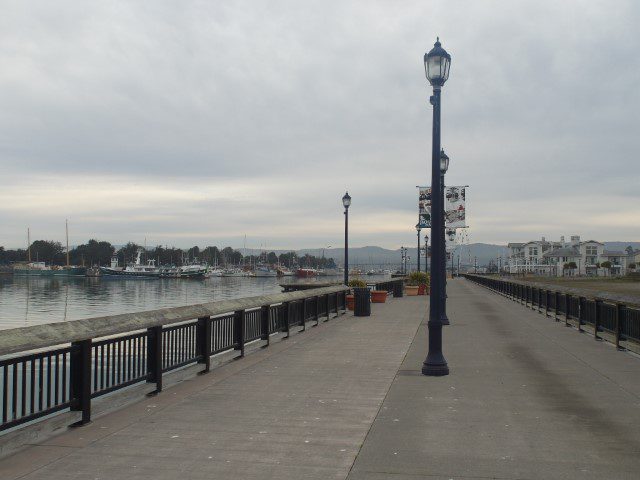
x: 33, y: 300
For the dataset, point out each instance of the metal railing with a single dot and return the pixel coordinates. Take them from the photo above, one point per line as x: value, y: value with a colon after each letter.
x: 621, y: 322
x: 75, y: 366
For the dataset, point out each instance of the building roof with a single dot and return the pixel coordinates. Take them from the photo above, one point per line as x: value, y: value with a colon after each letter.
x: 515, y: 245
x: 614, y: 253
x: 591, y: 241
x: 563, y: 252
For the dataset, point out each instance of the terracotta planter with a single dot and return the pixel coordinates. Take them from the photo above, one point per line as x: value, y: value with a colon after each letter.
x: 378, y: 296
x: 422, y: 289
x: 411, y: 290
x: 351, y: 300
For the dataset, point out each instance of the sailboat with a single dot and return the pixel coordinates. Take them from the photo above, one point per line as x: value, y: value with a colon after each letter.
x: 44, y: 270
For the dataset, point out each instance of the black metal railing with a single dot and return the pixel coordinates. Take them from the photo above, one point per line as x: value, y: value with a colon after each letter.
x: 620, y: 321
x: 150, y: 345
x: 390, y: 285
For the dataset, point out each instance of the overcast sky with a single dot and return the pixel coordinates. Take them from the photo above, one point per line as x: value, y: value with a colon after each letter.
x: 198, y: 122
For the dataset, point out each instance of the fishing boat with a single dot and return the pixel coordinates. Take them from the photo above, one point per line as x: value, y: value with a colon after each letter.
x: 306, y: 272
x: 233, y: 272
x: 284, y: 272
x: 136, y: 269
x: 44, y: 270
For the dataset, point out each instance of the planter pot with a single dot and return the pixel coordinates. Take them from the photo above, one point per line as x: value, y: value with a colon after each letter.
x: 378, y: 296
x: 351, y: 302
x: 411, y: 290
x: 422, y: 289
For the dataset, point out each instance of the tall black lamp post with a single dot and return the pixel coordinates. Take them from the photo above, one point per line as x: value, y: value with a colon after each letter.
x: 346, y: 202
x: 418, y: 230
x: 436, y: 66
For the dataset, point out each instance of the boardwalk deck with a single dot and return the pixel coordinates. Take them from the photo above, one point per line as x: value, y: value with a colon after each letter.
x: 527, y: 398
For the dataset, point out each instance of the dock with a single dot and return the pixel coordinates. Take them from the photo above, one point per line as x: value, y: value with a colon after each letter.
x: 527, y: 398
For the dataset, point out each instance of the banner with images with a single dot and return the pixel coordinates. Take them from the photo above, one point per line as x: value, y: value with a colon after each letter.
x: 424, y: 207
x: 455, y: 206
x: 450, y: 240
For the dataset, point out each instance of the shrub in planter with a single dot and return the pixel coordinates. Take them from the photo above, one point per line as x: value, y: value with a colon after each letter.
x: 417, y: 282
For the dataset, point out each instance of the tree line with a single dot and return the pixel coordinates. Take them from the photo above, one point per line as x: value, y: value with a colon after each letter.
x: 100, y: 253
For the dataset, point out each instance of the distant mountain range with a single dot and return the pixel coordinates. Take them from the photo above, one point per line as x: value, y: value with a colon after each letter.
x: 374, y: 257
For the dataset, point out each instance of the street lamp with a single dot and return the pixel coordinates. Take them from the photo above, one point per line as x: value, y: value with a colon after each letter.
x: 346, y: 202
x: 436, y: 67
x: 426, y: 254
x: 444, y: 166
x: 418, y: 230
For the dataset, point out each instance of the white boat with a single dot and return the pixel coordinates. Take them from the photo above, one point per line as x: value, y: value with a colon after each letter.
x: 233, y: 272
x: 135, y: 269
x: 214, y: 272
x: 264, y: 271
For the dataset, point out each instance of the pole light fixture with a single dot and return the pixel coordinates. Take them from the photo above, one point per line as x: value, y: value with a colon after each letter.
x: 437, y: 63
x: 444, y: 162
x: 346, y: 202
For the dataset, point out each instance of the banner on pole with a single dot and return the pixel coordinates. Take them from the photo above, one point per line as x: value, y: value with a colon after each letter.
x: 455, y: 207
x: 424, y: 207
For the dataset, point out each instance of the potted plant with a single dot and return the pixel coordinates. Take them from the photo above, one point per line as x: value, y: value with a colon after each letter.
x: 354, y: 283
x: 378, y: 296
x: 417, y: 281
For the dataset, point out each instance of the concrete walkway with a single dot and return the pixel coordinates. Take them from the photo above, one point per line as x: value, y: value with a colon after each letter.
x: 296, y: 410
x: 527, y: 398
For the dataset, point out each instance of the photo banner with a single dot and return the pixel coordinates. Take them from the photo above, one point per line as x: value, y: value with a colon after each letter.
x: 424, y: 207
x: 455, y: 207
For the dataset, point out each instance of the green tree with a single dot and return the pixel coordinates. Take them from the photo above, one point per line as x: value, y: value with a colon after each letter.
x: 606, y: 265
x: 128, y: 253
x: 272, y: 258
x: 93, y: 252
x: 47, y: 251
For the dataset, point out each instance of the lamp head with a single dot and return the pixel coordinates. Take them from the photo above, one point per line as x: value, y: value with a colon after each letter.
x: 436, y: 65
x: 346, y: 200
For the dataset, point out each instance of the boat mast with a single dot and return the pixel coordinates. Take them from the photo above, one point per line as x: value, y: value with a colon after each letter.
x: 29, y: 243
x: 66, y: 226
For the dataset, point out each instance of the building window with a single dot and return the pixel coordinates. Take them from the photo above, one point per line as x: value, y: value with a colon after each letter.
x: 591, y: 250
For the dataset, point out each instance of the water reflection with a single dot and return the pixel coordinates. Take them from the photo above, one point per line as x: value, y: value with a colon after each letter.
x: 28, y: 301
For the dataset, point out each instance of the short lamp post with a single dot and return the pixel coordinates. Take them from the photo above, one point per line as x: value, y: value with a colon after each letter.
x: 346, y: 202
x: 426, y: 254
x: 436, y: 66
x: 418, y: 230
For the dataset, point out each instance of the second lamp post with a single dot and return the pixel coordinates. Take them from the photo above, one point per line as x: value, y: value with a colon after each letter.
x: 346, y: 202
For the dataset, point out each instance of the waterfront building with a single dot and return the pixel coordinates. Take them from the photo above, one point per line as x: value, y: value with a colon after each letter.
x: 571, y: 258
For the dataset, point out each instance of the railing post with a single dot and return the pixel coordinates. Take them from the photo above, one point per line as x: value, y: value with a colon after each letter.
x: 619, y: 315
x: 557, y: 303
x: 303, y: 321
x: 203, y: 342
x: 80, y: 380
x: 238, y: 330
x: 567, y: 303
x: 546, y: 302
x: 286, y: 310
x: 596, y: 320
x: 327, y: 303
x: 154, y: 357
x: 581, y: 312
x: 264, y: 323
x: 317, y: 302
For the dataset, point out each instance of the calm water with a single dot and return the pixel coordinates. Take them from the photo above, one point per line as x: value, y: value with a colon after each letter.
x: 26, y: 301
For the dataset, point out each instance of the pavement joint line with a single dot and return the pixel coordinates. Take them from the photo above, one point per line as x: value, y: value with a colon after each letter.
x: 561, y: 346
x: 404, y: 357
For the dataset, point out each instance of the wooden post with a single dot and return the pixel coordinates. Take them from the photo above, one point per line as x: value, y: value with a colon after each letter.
x: 80, y: 380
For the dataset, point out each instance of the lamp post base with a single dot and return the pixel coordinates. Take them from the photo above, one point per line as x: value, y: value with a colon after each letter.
x: 435, y: 364
x: 435, y: 370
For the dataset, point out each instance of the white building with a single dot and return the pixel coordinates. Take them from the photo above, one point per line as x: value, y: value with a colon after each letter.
x: 568, y: 258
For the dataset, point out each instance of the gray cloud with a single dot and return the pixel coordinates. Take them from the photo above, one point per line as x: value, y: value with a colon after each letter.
x: 539, y: 117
